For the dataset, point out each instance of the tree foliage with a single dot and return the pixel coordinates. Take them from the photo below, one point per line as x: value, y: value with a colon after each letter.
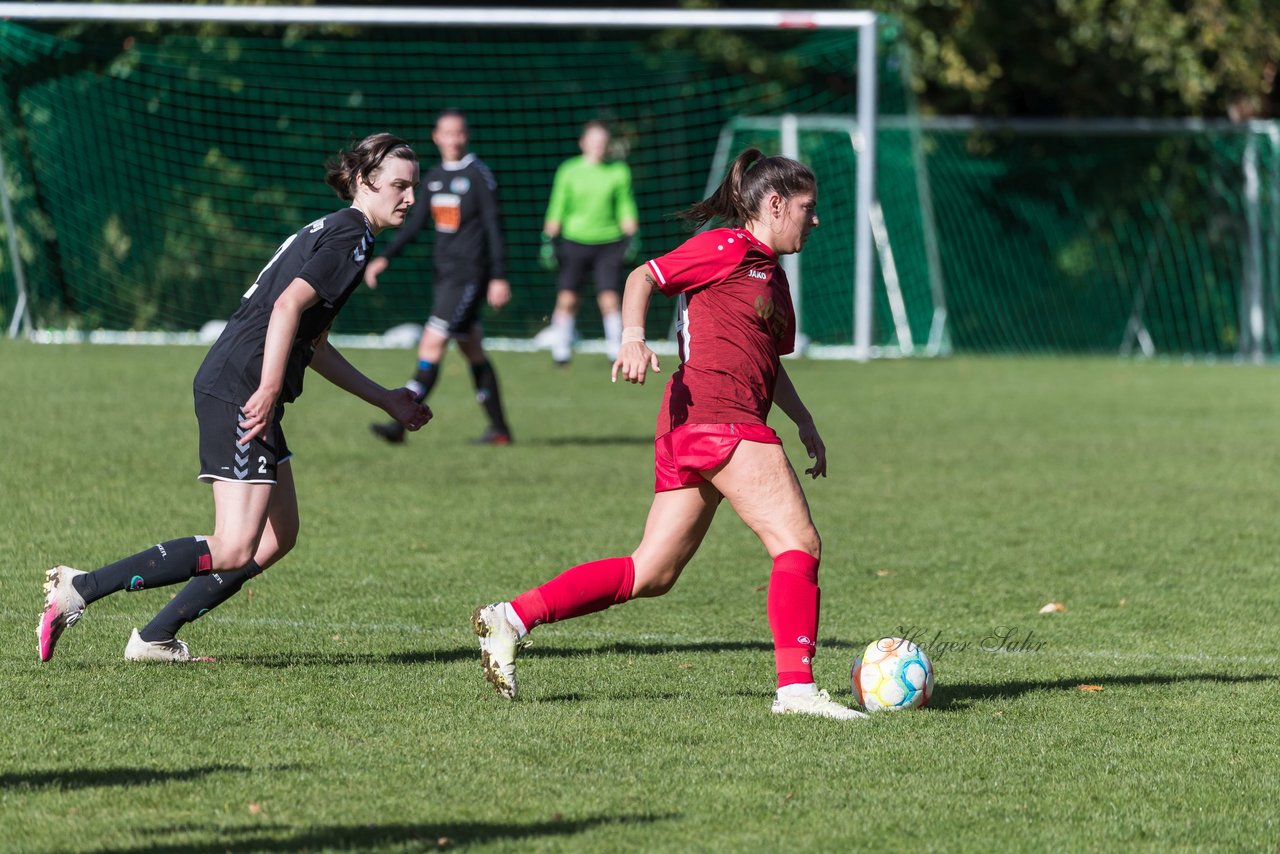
x: 1081, y: 58
x: 1031, y: 57
x: 1093, y: 57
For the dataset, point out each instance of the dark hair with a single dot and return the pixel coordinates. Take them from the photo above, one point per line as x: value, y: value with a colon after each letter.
x: 344, y: 171
x: 751, y: 177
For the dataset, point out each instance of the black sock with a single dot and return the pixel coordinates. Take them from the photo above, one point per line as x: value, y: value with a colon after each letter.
x: 424, y: 380
x: 201, y: 595
x: 487, y: 395
x: 168, y: 563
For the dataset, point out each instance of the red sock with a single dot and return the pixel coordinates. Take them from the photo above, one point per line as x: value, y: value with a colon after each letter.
x: 793, y: 615
x: 584, y: 589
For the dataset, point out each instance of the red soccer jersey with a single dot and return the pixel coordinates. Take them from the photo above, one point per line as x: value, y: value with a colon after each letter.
x: 734, y: 321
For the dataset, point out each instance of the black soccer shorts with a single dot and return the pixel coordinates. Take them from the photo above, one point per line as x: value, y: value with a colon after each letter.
x: 224, y: 455
x: 455, y: 307
x: 602, y: 260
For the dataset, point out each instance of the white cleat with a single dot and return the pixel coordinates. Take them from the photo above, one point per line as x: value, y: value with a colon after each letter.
x: 171, y: 650
x: 819, y: 704
x: 545, y: 336
x: 562, y: 350
x: 498, y: 647
x: 63, y: 606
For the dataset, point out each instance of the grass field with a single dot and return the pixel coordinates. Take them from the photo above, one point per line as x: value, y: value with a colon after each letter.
x: 346, y: 709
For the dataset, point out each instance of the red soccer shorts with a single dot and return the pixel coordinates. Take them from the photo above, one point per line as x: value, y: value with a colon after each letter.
x: 681, y: 456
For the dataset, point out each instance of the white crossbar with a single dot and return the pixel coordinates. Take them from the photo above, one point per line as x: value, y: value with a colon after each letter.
x: 443, y: 16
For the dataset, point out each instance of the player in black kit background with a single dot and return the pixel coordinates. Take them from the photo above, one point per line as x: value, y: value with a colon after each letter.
x: 254, y: 368
x: 470, y: 266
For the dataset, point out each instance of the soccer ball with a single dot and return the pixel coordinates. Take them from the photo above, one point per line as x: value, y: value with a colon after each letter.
x: 892, y: 674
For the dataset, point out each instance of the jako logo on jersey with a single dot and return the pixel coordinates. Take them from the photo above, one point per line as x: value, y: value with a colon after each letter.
x: 435, y: 186
x: 756, y: 274
x: 136, y: 583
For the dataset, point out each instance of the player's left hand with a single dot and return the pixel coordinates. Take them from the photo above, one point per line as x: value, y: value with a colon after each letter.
x: 499, y: 293
x: 373, y: 270
x: 817, y: 450
x: 634, y: 358
x: 404, y: 407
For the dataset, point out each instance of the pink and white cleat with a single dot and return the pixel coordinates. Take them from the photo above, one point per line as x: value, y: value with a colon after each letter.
x: 63, y: 606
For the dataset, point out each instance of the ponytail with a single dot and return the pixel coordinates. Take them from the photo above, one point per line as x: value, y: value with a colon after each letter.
x: 752, y: 176
x: 344, y: 171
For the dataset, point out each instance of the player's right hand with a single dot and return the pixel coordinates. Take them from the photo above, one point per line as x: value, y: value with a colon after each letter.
x: 634, y: 358
x: 258, y: 411
x: 631, y: 247
x: 547, y: 253
x: 403, y: 406
x: 374, y: 269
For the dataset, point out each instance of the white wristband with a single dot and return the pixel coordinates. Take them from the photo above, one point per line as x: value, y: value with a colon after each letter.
x: 633, y: 333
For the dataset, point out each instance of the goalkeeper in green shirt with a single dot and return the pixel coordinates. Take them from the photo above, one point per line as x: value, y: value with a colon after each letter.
x: 590, y: 226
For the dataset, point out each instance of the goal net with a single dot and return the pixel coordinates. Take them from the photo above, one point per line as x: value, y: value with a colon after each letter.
x: 1126, y: 236
x: 151, y: 167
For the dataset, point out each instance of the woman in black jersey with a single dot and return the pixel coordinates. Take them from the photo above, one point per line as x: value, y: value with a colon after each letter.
x: 254, y: 368
x: 469, y: 258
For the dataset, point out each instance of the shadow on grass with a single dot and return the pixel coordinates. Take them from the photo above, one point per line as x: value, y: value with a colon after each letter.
x: 352, y: 659
x: 960, y: 697
x: 575, y: 697
x: 586, y: 441
x: 649, y: 648
x: 88, y: 778
x: 445, y: 835
x: 469, y: 652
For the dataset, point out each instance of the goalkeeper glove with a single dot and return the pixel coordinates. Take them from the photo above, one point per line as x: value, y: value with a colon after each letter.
x: 547, y: 253
x: 631, y: 247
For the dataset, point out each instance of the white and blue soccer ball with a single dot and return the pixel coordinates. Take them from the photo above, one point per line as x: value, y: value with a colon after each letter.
x: 892, y: 674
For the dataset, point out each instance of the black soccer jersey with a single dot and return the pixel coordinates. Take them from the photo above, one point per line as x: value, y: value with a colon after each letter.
x: 463, y: 203
x: 330, y: 254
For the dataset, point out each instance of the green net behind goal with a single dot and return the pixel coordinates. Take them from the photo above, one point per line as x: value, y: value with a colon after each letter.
x: 153, y: 174
x: 153, y: 170
x: 1108, y: 237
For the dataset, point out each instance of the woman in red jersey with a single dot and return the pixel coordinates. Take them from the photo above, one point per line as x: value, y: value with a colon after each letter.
x: 713, y: 443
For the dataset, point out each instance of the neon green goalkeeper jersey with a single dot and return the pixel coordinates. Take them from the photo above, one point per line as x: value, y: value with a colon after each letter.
x: 591, y: 200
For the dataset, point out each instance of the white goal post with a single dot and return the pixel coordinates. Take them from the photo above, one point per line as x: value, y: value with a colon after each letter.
x: 788, y: 127
x: 863, y: 22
